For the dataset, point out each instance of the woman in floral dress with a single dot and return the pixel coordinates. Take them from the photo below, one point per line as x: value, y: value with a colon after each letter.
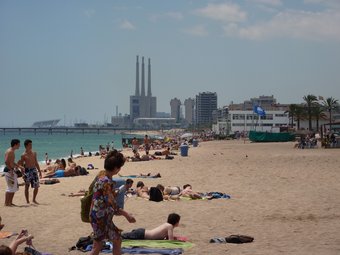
x: 104, y: 206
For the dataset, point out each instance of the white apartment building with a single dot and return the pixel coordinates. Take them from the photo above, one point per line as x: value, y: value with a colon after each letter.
x: 245, y: 120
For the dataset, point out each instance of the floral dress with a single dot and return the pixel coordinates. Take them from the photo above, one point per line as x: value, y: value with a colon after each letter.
x: 103, y: 208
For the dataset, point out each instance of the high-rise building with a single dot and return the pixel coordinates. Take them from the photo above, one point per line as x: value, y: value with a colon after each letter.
x: 206, y: 103
x: 189, y: 110
x: 175, y: 105
x: 143, y: 105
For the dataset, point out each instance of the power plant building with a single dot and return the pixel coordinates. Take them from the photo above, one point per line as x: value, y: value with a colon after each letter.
x: 142, y: 105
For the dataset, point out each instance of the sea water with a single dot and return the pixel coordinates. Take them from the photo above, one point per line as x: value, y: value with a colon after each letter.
x: 59, y: 145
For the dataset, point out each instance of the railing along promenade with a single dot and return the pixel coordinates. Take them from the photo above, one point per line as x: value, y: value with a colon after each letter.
x: 66, y: 130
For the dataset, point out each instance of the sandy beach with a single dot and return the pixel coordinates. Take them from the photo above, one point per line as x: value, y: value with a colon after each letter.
x: 286, y: 198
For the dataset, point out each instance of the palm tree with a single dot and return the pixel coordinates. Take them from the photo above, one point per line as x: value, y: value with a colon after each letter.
x: 310, y: 100
x: 291, y: 113
x: 318, y: 112
x: 299, y: 114
x: 330, y: 104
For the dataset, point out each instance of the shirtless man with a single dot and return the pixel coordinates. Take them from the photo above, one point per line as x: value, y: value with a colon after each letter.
x: 164, y: 231
x: 146, y: 144
x: 135, y: 144
x: 29, y: 160
x: 10, y: 175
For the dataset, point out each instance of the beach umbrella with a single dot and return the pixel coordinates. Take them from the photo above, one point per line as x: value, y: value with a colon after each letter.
x: 186, y: 135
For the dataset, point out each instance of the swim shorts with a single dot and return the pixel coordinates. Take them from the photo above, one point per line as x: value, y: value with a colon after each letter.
x: 31, y: 177
x: 136, y: 234
x: 12, y: 181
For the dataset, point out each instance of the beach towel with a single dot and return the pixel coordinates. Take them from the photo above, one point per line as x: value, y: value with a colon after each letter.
x: 157, y: 244
x: 209, y: 196
x: 215, y: 195
x: 49, y: 181
x: 4, y: 234
x: 140, y: 176
x: 140, y: 246
x: 141, y: 250
x: 149, y: 247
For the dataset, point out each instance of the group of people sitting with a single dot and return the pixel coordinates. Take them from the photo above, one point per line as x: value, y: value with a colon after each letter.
x: 308, y: 141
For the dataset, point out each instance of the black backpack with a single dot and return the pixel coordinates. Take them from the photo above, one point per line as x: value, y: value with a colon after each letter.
x: 83, y: 171
x: 83, y: 242
x: 239, y: 239
x: 155, y: 194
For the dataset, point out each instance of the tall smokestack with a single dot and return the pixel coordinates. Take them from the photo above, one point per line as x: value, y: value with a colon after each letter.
x: 137, y: 78
x: 143, y: 79
x: 149, y: 78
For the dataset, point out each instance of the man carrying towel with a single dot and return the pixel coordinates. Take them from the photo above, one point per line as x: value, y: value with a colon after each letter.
x: 10, y: 174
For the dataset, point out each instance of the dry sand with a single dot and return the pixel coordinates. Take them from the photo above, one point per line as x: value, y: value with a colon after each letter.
x: 287, y: 199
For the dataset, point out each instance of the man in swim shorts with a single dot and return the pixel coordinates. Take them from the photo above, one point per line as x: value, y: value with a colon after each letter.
x: 10, y: 174
x: 164, y: 231
x: 29, y: 160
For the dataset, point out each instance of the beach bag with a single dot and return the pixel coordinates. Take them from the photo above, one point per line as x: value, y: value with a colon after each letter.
x: 85, y: 203
x: 31, y: 251
x: 83, y: 242
x: 155, y: 194
x: 83, y: 171
x: 239, y: 239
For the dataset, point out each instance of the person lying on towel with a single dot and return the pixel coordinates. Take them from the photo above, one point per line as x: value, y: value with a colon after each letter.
x: 164, y: 231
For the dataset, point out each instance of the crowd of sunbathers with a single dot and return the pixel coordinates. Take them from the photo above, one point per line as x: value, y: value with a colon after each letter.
x: 61, y: 169
x: 169, y: 192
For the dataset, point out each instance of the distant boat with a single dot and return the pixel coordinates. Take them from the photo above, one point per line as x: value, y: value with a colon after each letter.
x: 256, y: 136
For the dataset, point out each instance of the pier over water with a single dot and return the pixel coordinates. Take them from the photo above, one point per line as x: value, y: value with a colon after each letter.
x: 64, y: 130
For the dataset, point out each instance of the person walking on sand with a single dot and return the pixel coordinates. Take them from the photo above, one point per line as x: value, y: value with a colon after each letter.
x: 29, y: 160
x: 10, y: 174
x: 104, y: 206
x: 146, y: 144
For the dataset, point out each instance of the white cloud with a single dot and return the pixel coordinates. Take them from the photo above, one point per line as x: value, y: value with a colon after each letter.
x: 268, y: 2
x: 89, y: 13
x: 172, y: 15
x: 127, y: 25
x: 199, y: 30
x: 318, y: 26
x: 227, y: 12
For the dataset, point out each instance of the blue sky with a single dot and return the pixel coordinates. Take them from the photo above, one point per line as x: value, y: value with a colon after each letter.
x: 75, y: 60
